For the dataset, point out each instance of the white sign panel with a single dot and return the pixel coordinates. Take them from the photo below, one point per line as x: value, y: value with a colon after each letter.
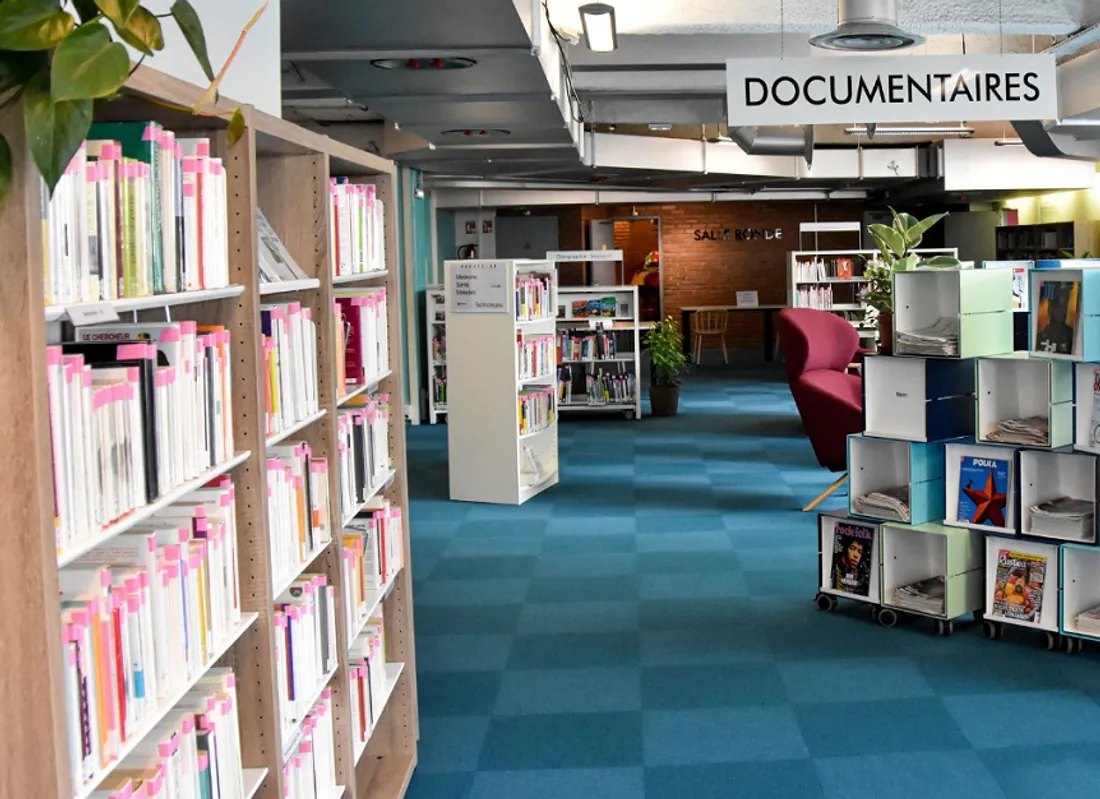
x: 572, y: 256
x: 479, y: 287
x: 92, y: 314
x: 748, y: 299
x: 856, y: 89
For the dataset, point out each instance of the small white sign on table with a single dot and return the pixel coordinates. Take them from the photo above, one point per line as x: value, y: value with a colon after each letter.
x: 479, y: 287
x: 747, y: 299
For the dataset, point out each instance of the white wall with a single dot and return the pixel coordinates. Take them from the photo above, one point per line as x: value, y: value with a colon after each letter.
x: 253, y: 77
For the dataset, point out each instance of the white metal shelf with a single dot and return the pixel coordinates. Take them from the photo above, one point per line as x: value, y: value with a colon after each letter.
x: 298, y: 426
x: 370, y: 385
x: 393, y: 674
x: 605, y: 406
x: 339, y: 280
x: 831, y: 280
x: 162, y: 711
x: 616, y: 359
x: 547, y: 377
x: 287, y: 286
x: 57, y: 312
x: 64, y: 558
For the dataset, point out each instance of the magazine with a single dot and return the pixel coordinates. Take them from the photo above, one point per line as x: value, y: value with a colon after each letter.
x: 890, y: 503
x: 1032, y: 431
x: 853, y: 557
x: 1063, y: 517
x: 1094, y: 420
x: 1088, y: 621
x: 924, y: 596
x: 1018, y: 592
x: 1057, y: 316
x: 983, y: 491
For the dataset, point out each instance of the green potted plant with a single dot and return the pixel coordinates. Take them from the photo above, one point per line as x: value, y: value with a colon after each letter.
x: 666, y: 351
x: 896, y: 243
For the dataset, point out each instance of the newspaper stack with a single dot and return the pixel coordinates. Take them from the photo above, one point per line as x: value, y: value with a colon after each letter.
x: 1064, y: 517
x: 942, y: 339
x: 1088, y: 621
x: 1032, y: 431
x: 923, y: 596
x: 893, y: 504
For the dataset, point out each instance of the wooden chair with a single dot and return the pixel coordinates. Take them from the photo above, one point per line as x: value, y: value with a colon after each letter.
x: 709, y: 323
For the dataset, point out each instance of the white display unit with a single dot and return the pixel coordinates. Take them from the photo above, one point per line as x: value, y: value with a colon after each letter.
x: 1046, y: 555
x: 435, y: 313
x: 490, y: 461
x: 623, y: 326
x: 1048, y: 475
x: 1087, y: 428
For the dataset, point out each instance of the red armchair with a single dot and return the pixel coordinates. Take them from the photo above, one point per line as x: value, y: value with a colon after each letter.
x: 819, y: 347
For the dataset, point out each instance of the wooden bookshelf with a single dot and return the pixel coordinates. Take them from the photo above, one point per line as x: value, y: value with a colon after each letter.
x: 284, y: 170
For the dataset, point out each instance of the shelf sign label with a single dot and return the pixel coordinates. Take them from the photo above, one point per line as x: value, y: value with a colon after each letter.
x: 830, y: 90
x: 573, y: 256
x: 479, y: 287
x: 92, y: 314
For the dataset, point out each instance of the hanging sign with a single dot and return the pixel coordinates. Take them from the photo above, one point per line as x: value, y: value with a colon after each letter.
x: 572, y: 256
x: 479, y: 286
x: 852, y: 89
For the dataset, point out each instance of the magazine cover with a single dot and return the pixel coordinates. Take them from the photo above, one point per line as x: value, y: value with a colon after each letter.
x: 1057, y: 319
x: 853, y: 556
x: 607, y: 306
x: 580, y: 309
x: 1018, y: 593
x: 983, y: 491
x: 1019, y: 288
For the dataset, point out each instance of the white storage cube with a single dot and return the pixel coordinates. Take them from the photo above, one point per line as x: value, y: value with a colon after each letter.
x: 1019, y: 386
x: 1025, y: 557
x: 1049, y: 475
x: 833, y: 529
x: 1080, y: 585
x: 1087, y: 427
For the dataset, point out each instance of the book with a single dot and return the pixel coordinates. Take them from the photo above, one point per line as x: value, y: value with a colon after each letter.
x: 363, y: 456
x: 853, y: 556
x: 356, y: 228
x: 1018, y: 588
x: 536, y: 409
x: 366, y: 344
x: 289, y: 344
x: 535, y: 356
x: 1056, y: 322
x: 983, y: 490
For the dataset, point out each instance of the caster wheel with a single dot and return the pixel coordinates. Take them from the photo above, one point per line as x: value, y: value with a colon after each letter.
x: 979, y: 615
x: 1073, y: 645
x: 991, y: 629
x: 628, y: 414
x: 945, y: 628
x: 1052, y: 641
x: 887, y: 617
x: 825, y: 602
x: 875, y: 609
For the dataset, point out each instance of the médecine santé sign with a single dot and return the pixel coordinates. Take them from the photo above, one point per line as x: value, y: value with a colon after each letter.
x: 850, y: 89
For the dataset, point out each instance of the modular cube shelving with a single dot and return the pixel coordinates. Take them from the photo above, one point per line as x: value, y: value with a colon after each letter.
x: 1020, y: 386
x: 979, y: 300
x: 920, y: 552
x: 1080, y: 582
x: 1087, y: 408
x: 918, y: 399
x: 1065, y: 314
x: 980, y: 483
x: 1021, y: 583
x: 882, y: 464
x: 848, y: 559
x: 1049, y: 475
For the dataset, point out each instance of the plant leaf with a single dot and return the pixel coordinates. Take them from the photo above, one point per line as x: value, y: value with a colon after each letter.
x: 922, y: 227
x: 907, y: 263
x: 32, y: 24
x: 88, y: 64
x: 18, y: 68
x: 191, y: 28
x: 236, y: 127
x: 143, y: 32
x: 55, y: 129
x: 118, y: 11
x: 5, y: 168
x: 891, y: 238
x: 942, y: 261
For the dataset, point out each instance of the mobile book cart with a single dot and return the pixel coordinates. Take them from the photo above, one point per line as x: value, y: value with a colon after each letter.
x: 284, y: 170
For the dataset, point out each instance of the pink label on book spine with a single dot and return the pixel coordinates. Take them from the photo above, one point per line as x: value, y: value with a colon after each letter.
x: 280, y: 620
x: 188, y: 724
x: 204, y: 761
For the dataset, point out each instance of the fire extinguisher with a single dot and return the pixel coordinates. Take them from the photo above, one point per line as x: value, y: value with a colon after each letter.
x: 467, y: 251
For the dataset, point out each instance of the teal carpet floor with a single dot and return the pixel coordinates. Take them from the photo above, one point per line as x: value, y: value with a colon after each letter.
x: 646, y: 629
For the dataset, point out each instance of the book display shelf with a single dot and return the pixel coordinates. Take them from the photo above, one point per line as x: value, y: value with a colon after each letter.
x: 436, y: 323
x: 598, y: 342
x: 502, y: 379
x: 952, y: 313
x: 200, y: 510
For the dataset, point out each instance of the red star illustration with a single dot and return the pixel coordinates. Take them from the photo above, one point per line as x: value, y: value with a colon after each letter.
x: 989, y: 505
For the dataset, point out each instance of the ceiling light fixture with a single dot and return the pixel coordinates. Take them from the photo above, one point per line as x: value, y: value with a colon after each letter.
x: 663, y: 127
x: 598, y: 20
x: 867, y: 26
x: 915, y: 130
x: 1008, y: 143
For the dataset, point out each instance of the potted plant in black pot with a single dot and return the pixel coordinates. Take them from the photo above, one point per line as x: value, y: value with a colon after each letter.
x: 666, y: 351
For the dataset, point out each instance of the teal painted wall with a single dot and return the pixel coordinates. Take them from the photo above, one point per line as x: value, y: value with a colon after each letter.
x: 417, y: 273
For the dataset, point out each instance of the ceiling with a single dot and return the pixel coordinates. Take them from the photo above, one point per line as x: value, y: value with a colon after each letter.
x: 669, y: 67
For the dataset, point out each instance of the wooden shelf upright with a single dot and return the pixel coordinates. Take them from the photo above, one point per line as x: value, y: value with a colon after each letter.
x: 283, y: 170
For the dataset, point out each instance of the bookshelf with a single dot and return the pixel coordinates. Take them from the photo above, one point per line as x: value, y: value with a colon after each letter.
x: 436, y: 338
x: 1043, y: 242
x: 599, y: 350
x: 500, y: 459
x: 285, y: 171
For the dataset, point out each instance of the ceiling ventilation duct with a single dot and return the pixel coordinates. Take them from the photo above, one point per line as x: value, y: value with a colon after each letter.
x: 867, y: 26
x: 1048, y: 143
x: 773, y: 140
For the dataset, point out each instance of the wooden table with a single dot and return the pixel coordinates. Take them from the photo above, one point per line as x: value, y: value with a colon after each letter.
x: 769, y: 323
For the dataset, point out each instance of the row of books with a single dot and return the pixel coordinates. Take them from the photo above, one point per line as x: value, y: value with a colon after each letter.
x: 362, y: 432
x: 305, y: 646
x: 534, y: 297
x: 144, y: 614
x: 136, y: 213
x: 363, y: 345
x: 194, y: 753
x: 535, y: 356
x: 310, y: 771
x: 373, y: 546
x: 819, y: 297
x: 356, y: 228
x: 588, y: 346
x: 600, y: 388
x: 367, y: 676
x: 824, y: 269
x: 536, y: 410
x: 298, y: 507
x: 290, y: 364
x: 135, y: 411
x: 439, y: 350
x: 439, y: 390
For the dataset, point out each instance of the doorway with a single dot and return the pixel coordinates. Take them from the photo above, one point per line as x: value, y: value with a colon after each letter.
x: 639, y: 238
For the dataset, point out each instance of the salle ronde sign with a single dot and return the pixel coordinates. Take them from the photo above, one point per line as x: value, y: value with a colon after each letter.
x: 904, y: 88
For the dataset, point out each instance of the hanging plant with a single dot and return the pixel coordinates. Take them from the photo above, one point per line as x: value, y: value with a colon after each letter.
x: 59, y: 62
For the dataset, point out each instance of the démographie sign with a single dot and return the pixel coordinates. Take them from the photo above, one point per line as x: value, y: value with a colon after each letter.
x: 847, y: 89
